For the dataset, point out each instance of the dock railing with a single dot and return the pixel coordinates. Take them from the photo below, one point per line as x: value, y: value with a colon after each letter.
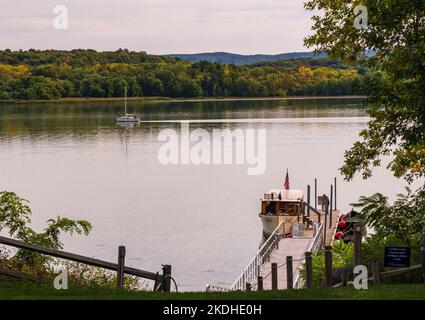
x: 319, y: 214
x: 314, y: 246
x: 317, y: 242
x: 252, y: 270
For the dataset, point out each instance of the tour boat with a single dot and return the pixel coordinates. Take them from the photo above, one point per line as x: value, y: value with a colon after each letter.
x: 128, y: 118
x: 281, y: 206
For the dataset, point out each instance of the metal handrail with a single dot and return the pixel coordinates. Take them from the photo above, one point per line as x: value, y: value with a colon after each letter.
x: 314, y: 246
x: 252, y: 270
x: 319, y: 214
x: 317, y: 242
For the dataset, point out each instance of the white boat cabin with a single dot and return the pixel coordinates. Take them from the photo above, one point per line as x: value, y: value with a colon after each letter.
x: 281, y: 206
x: 282, y: 202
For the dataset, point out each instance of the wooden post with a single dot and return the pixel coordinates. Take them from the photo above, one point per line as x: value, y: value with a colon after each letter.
x: 289, y: 273
x: 248, y: 287
x: 335, y: 207
x: 330, y: 207
x: 315, y: 193
x: 309, y: 269
x: 120, y: 270
x: 357, y: 244
x: 324, y: 227
x: 274, y: 276
x: 326, y: 216
x: 308, y: 200
x: 166, y: 274
x: 423, y: 254
x: 328, y: 266
x: 375, y: 273
x: 260, y: 286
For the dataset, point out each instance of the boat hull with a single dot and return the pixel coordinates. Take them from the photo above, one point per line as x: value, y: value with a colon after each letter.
x: 270, y: 223
x: 127, y: 120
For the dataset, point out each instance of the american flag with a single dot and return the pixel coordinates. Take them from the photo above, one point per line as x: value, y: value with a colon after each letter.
x: 286, y: 184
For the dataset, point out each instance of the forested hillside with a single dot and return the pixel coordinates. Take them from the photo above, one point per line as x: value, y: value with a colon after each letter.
x: 54, y: 74
x: 231, y: 58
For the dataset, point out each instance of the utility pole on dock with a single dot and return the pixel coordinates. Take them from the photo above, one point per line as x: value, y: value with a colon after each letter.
x: 308, y: 200
x: 335, y: 194
x: 330, y: 208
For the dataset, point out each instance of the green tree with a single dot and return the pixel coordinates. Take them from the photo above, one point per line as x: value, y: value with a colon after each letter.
x: 395, y: 34
x: 15, y: 217
x: 395, y: 85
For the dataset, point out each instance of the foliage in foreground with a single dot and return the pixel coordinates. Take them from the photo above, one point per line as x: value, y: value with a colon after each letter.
x: 342, y: 258
x: 400, y: 224
x: 15, y: 217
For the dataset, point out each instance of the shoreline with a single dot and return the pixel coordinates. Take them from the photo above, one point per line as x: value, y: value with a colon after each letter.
x: 168, y: 99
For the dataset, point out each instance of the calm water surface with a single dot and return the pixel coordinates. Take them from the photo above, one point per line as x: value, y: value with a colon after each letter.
x: 73, y: 160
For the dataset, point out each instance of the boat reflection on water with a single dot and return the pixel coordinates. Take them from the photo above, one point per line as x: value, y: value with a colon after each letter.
x: 127, y: 125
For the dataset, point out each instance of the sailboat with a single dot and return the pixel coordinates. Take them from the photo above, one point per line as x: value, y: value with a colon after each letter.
x: 128, y: 118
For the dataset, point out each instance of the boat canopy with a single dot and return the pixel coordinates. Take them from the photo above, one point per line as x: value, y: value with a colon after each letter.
x: 287, y: 195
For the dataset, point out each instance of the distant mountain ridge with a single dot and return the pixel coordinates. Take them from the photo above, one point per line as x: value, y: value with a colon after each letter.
x: 229, y: 58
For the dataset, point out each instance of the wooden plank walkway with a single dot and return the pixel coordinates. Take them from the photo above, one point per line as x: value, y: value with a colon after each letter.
x: 295, y: 247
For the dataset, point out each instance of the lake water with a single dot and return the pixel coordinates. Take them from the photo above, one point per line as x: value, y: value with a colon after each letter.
x: 73, y: 160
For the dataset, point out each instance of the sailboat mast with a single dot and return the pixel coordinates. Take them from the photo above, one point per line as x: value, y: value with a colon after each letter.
x: 125, y: 101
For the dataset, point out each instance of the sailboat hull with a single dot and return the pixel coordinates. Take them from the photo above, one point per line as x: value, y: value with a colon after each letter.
x: 127, y: 120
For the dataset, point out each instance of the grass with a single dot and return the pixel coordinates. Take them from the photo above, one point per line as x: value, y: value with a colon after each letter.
x: 12, y: 289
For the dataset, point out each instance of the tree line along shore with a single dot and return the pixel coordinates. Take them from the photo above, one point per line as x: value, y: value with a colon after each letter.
x: 80, y: 74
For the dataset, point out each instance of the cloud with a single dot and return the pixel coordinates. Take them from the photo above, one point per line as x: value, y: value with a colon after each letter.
x: 158, y: 26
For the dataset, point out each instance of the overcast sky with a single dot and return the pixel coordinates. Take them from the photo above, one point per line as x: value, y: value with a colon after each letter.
x: 158, y: 26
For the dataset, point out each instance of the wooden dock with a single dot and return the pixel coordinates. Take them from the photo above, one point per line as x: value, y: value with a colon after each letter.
x: 330, y: 231
x: 296, y: 248
x: 287, y: 247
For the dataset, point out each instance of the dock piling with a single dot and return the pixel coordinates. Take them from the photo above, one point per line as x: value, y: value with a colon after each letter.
x: 248, y: 287
x: 274, y: 276
x: 335, y: 207
x: 260, y: 286
x: 328, y: 266
x: 289, y: 273
x: 330, y: 208
x: 308, y: 200
x: 309, y: 269
x: 324, y: 226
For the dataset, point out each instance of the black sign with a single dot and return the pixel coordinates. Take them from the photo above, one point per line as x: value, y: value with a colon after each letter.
x: 397, y: 257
